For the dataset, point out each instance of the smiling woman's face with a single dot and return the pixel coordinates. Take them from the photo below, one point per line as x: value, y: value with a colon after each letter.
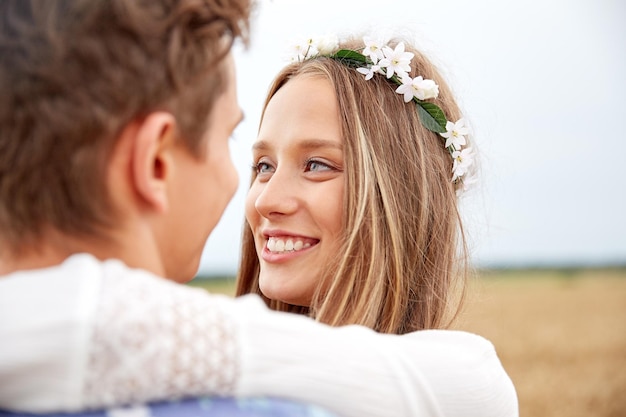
x: 294, y: 206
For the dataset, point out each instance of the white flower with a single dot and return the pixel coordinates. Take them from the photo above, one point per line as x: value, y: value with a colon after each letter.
x: 396, y: 60
x: 369, y: 71
x: 426, y: 89
x: 373, y: 49
x: 466, y: 184
x: 407, y: 88
x: 455, y: 134
x: 304, y: 49
x: 326, y: 45
x: 417, y: 87
x: 462, y: 161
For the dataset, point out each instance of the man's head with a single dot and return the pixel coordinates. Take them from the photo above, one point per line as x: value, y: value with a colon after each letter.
x: 77, y: 77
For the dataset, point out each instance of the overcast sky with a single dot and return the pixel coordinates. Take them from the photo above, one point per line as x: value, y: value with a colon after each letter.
x: 543, y: 85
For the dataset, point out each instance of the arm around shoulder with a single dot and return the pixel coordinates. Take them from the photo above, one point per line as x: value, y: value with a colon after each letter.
x: 354, y: 371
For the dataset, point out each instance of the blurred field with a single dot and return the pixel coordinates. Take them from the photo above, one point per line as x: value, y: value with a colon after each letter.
x: 561, y: 335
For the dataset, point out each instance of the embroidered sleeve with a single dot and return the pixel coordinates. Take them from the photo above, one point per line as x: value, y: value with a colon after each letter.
x: 154, y: 340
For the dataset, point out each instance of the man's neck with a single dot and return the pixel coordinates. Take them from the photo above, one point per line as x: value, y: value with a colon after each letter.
x: 55, y: 247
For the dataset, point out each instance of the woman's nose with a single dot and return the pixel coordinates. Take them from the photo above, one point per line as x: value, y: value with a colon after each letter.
x: 278, y: 196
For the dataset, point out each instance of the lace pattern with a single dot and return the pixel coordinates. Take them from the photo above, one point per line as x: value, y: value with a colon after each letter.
x: 156, y: 340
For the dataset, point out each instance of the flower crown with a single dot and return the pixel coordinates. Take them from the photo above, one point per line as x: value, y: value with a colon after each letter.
x: 395, y: 64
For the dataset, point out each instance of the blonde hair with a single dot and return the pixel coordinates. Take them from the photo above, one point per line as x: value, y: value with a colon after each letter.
x: 402, y: 265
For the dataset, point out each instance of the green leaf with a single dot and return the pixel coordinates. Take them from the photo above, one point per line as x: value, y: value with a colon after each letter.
x: 350, y: 58
x: 432, y: 116
x: 351, y: 55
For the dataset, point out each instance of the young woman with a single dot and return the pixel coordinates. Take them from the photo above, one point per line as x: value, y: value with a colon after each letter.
x: 352, y: 213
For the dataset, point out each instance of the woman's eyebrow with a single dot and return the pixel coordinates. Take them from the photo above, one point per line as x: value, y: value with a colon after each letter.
x: 319, y: 143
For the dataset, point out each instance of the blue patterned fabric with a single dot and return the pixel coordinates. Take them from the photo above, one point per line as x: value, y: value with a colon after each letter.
x: 203, y: 407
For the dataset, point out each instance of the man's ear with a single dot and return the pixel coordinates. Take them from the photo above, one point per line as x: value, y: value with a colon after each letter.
x: 151, y: 160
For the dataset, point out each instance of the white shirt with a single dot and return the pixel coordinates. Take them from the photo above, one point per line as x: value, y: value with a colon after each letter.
x: 90, y: 334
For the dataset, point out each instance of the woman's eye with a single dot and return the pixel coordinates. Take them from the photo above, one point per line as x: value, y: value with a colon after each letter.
x: 262, y: 167
x: 314, y: 165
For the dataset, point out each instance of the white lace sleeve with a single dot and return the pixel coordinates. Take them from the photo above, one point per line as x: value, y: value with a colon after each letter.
x: 154, y: 340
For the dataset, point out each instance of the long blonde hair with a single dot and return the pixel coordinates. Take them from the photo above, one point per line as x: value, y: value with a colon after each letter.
x: 402, y: 265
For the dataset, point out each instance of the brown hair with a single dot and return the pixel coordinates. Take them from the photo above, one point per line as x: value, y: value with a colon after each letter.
x: 403, y: 254
x: 74, y: 73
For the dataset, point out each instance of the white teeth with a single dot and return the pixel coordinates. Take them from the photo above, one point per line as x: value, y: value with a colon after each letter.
x: 277, y: 245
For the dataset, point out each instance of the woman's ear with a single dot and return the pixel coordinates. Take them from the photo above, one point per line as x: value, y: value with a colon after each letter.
x: 151, y: 159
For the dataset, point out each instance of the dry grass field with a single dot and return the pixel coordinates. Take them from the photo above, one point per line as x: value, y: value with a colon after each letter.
x: 561, y: 335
